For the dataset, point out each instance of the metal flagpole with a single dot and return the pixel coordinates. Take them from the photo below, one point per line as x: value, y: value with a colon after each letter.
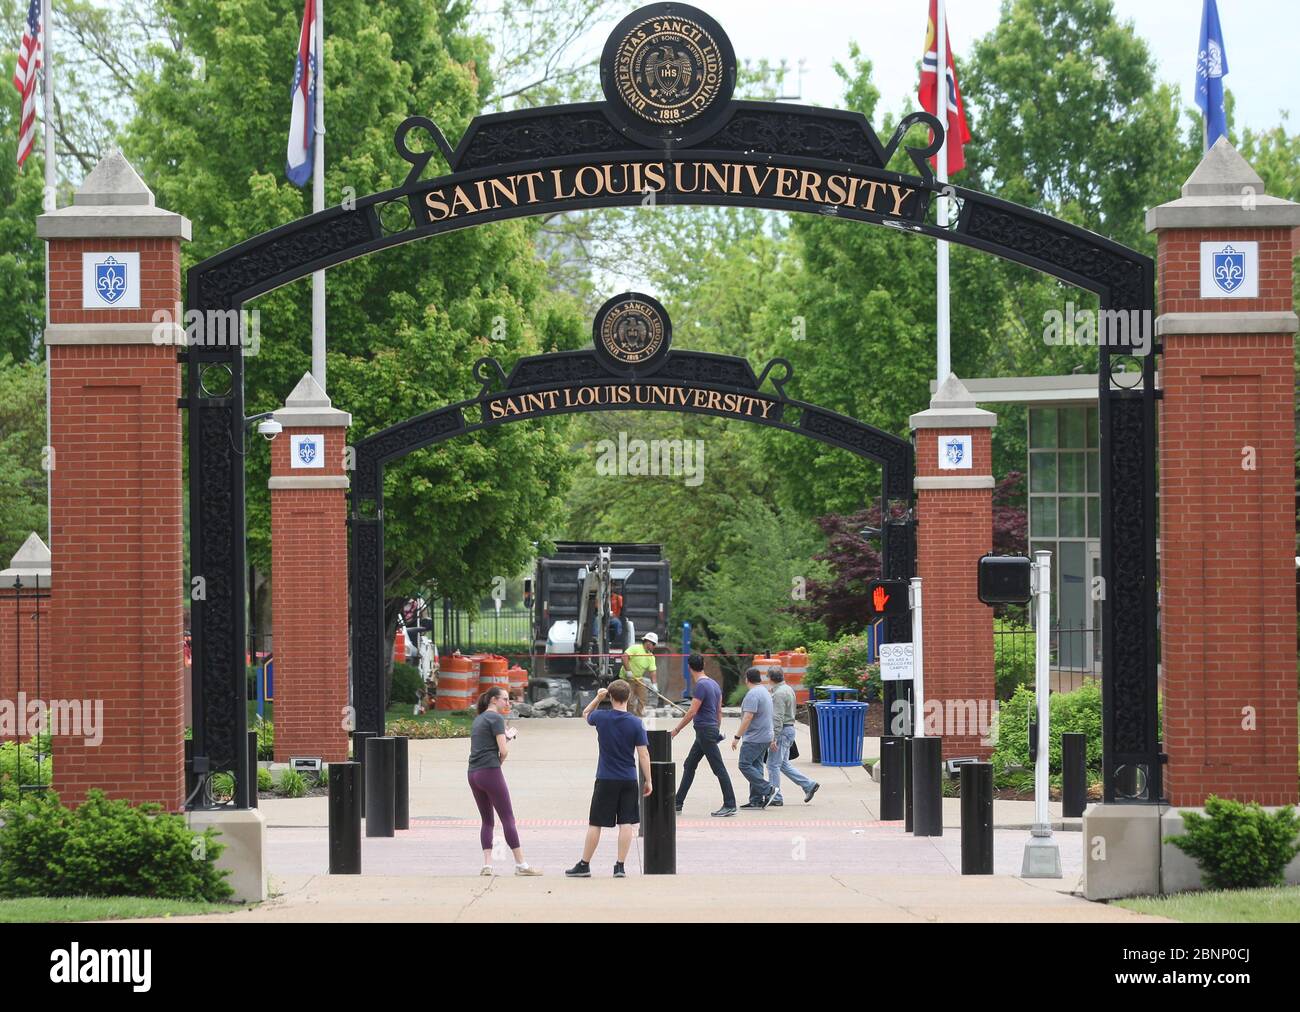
x: 1042, y: 855
x: 318, y: 204
x: 50, y: 203
x: 943, y: 327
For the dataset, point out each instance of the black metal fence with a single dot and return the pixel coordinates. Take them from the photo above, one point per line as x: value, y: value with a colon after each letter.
x: 29, y: 751
x: 487, y: 630
x: 1075, y: 656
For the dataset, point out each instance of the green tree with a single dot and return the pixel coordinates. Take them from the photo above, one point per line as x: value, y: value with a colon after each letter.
x: 22, y: 439
x: 405, y: 326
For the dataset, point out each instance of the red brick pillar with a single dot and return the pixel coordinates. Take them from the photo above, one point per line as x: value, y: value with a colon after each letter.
x: 954, y: 487
x: 115, y: 501
x: 309, y: 576
x: 1227, y: 513
x: 25, y: 636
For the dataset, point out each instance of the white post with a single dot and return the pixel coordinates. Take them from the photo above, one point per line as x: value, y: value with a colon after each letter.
x: 1042, y: 856
x: 50, y: 203
x: 918, y: 665
x: 318, y: 204
x: 943, y: 327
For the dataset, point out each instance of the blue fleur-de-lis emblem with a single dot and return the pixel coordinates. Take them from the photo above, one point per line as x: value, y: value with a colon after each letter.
x: 307, y: 451
x: 110, y: 280
x: 955, y: 450
x: 1229, y: 269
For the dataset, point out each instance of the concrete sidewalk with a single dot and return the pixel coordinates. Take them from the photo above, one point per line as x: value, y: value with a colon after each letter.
x: 831, y: 859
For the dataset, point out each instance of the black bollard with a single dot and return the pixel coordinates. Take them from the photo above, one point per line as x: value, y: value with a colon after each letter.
x: 381, y: 755
x: 401, y: 784
x: 892, y: 768
x: 927, y: 786
x: 345, y: 818
x: 189, y: 772
x: 814, y: 733
x: 1074, y: 774
x: 252, y: 769
x: 977, y: 819
x: 661, y: 751
x: 359, y: 739
x: 661, y: 820
x: 907, y: 783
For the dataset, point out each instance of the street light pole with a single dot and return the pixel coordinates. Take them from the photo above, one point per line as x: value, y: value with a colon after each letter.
x: 1042, y: 855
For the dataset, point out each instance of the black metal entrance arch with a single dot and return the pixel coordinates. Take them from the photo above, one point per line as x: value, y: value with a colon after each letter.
x: 692, y: 145
x: 572, y: 382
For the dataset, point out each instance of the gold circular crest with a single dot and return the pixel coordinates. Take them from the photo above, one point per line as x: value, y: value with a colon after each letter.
x: 632, y: 332
x: 669, y: 70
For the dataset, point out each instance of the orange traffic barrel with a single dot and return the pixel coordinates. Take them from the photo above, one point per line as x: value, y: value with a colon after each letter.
x: 764, y: 664
x: 493, y: 673
x: 518, y: 682
x: 795, y: 665
x: 399, y: 646
x: 457, y: 684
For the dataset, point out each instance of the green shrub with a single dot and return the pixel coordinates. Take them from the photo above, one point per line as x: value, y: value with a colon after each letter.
x: 426, y: 729
x: 1013, y: 658
x: 292, y: 784
x: 408, y: 686
x: 265, y: 782
x: 222, y: 786
x: 844, y: 661
x: 1240, y: 846
x: 265, y: 740
x: 1077, y: 712
x: 107, y: 848
x: 19, y: 766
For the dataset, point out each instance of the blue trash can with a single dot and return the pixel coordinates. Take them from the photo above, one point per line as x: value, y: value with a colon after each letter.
x: 841, y: 724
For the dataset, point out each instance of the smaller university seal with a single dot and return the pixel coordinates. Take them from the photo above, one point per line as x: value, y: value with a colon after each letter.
x: 669, y: 68
x: 632, y: 333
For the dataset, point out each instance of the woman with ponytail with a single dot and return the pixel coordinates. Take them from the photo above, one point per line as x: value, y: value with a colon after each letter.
x: 488, y: 747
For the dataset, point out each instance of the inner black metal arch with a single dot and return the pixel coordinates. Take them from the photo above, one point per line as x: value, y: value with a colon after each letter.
x: 534, y: 378
x: 758, y: 135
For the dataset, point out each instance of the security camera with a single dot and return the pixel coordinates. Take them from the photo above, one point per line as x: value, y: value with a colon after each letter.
x: 269, y: 429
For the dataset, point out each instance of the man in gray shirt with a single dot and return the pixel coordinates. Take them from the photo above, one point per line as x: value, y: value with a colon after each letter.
x: 778, y: 759
x: 755, y: 739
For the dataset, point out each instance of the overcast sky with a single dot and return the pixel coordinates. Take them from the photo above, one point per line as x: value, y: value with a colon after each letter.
x: 1261, y: 41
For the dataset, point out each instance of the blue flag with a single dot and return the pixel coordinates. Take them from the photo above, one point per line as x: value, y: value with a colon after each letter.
x: 1211, y: 68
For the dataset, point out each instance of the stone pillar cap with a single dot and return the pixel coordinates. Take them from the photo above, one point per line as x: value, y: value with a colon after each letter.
x: 1224, y: 191
x: 31, y: 564
x: 953, y: 407
x: 309, y: 406
x: 113, y: 202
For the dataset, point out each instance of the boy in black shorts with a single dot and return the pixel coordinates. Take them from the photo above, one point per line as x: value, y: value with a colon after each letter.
x: 615, y: 800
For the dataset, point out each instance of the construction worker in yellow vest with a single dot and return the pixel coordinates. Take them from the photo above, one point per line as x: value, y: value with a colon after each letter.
x: 639, y: 668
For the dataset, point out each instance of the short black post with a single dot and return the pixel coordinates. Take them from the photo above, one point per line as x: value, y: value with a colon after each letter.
x: 345, y: 818
x: 892, y: 767
x: 927, y: 786
x: 189, y: 770
x: 977, y: 819
x: 661, y: 820
x: 381, y: 755
x: 908, y: 791
x: 252, y: 769
x: 1074, y: 774
x: 814, y: 733
x: 402, y: 784
x: 661, y: 751
x: 359, y: 739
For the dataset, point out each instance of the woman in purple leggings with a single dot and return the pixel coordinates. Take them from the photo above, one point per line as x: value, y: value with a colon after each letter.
x: 488, y: 747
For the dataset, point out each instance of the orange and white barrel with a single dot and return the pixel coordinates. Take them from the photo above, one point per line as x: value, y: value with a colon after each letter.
x: 457, y: 684
x: 796, y: 669
x: 765, y: 664
x: 493, y: 673
x: 518, y: 681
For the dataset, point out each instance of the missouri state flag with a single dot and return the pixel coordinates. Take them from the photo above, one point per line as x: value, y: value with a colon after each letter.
x: 958, y: 129
x: 302, y: 124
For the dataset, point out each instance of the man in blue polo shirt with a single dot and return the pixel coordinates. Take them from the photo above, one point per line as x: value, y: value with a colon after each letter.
x: 706, y: 713
x: 615, y: 801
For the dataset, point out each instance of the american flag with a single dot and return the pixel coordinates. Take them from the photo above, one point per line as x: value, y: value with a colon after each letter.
x: 25, y: 75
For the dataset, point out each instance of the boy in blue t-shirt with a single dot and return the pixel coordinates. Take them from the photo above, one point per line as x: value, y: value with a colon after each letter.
x: 615, y: 801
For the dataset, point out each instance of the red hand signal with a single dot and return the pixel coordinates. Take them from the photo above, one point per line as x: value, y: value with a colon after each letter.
x: 878, y: 599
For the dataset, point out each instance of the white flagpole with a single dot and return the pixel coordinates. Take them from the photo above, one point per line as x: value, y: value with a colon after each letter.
x: 318, y: 204
x: 944, y: 337
x: 50, y: 204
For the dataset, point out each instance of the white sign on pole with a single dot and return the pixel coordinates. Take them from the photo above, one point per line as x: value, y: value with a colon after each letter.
x: 895, y: 662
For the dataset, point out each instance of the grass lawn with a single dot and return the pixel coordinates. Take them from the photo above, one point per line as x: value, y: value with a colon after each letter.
x: 87, y: 908
x: 1236, y: 906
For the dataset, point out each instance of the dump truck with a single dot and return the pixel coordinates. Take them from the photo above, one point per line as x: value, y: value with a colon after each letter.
x: 571, y: 595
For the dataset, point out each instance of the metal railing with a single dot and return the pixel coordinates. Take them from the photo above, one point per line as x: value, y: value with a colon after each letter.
x: 484, y: 631
x: 1075, y: 656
